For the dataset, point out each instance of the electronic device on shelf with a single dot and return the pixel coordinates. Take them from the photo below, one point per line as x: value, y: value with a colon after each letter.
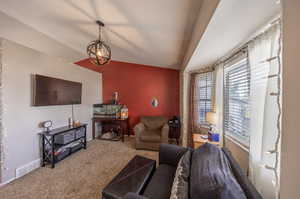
x: 175, y: 121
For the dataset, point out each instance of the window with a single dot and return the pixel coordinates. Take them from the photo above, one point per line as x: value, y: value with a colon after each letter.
x: 236, y: 101
x: 203, y: 96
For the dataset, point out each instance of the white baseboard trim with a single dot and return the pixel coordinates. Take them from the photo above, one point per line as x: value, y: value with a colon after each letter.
x: 8, y: 181
x: 23, y: 170
x: 27, y: 168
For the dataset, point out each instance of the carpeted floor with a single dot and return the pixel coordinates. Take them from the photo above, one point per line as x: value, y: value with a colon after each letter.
x: 83, y: 175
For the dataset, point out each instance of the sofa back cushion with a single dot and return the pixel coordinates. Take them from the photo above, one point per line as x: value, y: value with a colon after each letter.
x: 211, y: 176
x: 154, y: 122
x: 180, y: 187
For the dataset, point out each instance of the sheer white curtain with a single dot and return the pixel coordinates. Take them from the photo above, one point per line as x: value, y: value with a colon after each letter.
x: 1, y: 130
x: 264, y: 95
x: 218, y: 103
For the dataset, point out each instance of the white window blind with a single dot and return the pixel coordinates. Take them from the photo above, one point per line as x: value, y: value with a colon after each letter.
x: 236, y: 101
x: 203, y: 96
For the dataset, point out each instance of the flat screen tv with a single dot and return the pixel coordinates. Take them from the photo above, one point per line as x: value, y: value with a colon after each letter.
x: 49, y: 91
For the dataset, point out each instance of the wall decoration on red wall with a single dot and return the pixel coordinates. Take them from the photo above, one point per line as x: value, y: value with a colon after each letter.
x: 137, y: 85
x: 154, y: 102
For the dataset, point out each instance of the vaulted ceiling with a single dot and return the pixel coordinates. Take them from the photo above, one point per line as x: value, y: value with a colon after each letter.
x: 147, y: 32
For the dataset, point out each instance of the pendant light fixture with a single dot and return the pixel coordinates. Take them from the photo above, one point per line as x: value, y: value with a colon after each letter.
x: 98, y: 51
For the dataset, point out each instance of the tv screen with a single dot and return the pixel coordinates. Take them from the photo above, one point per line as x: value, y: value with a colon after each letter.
x: 49, y: 91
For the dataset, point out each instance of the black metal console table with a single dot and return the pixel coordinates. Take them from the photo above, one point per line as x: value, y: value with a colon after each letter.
x: 57, y: 143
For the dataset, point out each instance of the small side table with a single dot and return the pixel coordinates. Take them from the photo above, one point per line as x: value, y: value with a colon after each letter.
x: 174, y: 131
x: 198, y: 141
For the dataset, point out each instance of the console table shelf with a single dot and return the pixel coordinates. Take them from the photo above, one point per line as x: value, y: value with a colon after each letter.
x: 53, y: 151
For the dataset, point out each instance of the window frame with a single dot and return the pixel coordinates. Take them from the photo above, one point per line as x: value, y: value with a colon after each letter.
x: 209, y: 85
x: 233, y: 136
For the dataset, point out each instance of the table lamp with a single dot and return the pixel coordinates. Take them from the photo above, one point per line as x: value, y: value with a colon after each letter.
x: 211, y: 118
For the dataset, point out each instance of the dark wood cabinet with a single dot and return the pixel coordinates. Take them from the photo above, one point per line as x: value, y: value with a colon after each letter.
x: 118, y: 124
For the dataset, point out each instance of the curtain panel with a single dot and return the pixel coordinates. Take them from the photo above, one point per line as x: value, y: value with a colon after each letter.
x: 191, y: 111
x: 1, y: 112
x: 219, y: 99
x: 265, y: 102
x: 196, y: 101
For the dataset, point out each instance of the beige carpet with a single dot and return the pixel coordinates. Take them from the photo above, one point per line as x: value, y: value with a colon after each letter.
x: 83, y: 175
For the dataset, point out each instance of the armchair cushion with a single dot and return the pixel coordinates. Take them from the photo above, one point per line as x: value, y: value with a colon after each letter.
x: 140, y: 127
x: 150, y: 136
x: 165, y: 134
x: 153, y: 122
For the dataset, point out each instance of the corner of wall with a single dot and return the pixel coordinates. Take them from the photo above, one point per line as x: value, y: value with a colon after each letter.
x: 1, y: 130
x: 184, y: 104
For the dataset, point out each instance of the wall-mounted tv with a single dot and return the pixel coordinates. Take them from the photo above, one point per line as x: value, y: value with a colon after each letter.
x: 49, y: 91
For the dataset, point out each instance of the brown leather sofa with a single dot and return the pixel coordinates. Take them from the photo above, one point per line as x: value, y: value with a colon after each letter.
x: 151, y: 132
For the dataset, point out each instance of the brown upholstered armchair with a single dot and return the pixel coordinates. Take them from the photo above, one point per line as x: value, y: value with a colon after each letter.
x: 151, y: 132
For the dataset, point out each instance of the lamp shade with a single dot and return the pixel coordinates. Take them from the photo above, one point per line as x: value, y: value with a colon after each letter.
x: 211, y: 117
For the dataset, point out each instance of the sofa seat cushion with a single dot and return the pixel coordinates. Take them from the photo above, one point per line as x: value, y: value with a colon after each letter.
x: 150, y: 136
x: 211, y: 175
x: 161, y: 182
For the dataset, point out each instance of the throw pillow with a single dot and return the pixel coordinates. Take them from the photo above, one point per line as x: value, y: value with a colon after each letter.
x: 180, y: 187
x: 211, y: 176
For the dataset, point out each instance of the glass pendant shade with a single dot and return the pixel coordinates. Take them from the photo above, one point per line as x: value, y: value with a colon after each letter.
x: 98, y: 51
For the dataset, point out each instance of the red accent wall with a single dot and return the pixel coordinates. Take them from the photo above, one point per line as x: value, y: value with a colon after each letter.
x: 137, y: 85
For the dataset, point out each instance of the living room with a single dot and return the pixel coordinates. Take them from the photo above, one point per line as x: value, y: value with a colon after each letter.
x: 149, y: 99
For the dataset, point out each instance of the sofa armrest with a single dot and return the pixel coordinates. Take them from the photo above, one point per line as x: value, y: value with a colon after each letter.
x: 133, y: 196
x: 165, y: 134
x: 241, y: 177
x: 138, y: 129
x: 170, y: 154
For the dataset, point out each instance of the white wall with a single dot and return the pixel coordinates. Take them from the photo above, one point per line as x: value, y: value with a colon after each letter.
x: 207, y: 10
x: 290, y: 159
x: 184, y: 105
x: 20, y: 119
